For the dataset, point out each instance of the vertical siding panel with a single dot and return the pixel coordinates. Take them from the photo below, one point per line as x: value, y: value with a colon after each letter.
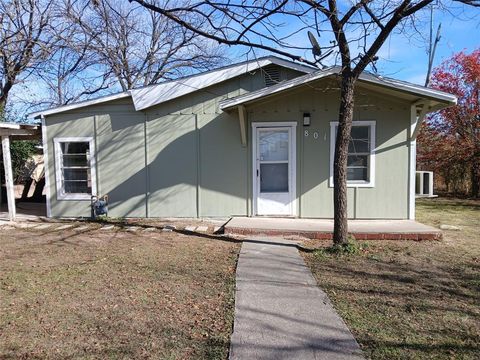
x: 223, y: 167
x: 172, y: 165
x: 121, y: 162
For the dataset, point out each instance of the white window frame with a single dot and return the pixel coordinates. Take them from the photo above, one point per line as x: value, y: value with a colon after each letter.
x: 61, y: 195
x: 371, y: 168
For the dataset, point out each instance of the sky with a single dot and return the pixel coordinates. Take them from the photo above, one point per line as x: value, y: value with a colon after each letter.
x: 402, y: 57
x: 405, y: 57
x: 408, y: 60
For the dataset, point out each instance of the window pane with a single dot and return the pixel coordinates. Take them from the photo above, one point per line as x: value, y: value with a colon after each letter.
x: 358, y: 146
x: 75, y: 160
x: 76, y: 187
x: 360, y: 140
x: 74, y: 147
x: 360, y: 132
x: 273, y: 178
x: 357, y: 160
x: 75, y: 174
x: 76, y: 178
x: 358, y: 165
x: 358, y: 174
x: 273, y: 145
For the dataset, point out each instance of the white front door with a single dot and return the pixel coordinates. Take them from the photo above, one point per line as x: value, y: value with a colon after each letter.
x: 274, y: 169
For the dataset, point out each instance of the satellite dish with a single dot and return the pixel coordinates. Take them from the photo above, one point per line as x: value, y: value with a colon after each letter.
x: 316, y: 51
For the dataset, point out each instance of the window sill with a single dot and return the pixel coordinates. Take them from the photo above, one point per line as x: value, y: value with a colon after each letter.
x: 365, y: 185
x: 356, y: 185
x: 84, y: 197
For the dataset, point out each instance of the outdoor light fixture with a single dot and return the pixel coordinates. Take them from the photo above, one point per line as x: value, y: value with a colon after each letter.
x: 306, y: 119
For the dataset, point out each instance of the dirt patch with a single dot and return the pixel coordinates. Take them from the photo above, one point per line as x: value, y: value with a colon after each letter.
x: 412, y: 300
x: 115, y: 294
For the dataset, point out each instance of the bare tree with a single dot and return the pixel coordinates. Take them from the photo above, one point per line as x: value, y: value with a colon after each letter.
x: 79, y: 48
x: 73, y: 72
x: 355, y: 31
x: 25, y: 41
x: 137, y: 48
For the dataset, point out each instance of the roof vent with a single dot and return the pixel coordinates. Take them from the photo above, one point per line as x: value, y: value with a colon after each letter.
x: 271, y: 75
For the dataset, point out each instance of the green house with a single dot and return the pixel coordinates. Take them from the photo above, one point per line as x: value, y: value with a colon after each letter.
x: 253, y: 138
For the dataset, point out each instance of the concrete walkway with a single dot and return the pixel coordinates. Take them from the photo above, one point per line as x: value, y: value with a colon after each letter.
x: 280, y: 313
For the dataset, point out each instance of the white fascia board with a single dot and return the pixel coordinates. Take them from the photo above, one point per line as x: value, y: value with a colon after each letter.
x: 80, y: 104
x: 230, y: 103
x: 156, y: 94
x: 16, y: 126
x: 411, y: 88
x: 366, y: 77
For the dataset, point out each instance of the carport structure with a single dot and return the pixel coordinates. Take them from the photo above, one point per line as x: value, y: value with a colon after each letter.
x: 9, y: 132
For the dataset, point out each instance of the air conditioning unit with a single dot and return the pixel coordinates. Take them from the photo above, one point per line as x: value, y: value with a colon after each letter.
x: 424, y: 184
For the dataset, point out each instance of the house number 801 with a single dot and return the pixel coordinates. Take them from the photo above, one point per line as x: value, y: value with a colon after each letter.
x: 315, y: 134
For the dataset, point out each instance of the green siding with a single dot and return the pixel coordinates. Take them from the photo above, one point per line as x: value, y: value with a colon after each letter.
x: 121, y: 169
x: 389, y: 197
x: 223, y: 184
x: 172, y: 166
x: 198, y: 167
x: 67, y: 125
x: 120, y: 157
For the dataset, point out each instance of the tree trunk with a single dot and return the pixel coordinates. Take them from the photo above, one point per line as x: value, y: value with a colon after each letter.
x: 26, y: 188
x: 37, y: 193
x: 340, y: 227
x: 475, y: 178
x: 3, y: 101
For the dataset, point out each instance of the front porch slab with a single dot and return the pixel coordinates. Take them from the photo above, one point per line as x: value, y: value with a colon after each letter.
x: 323, y: 228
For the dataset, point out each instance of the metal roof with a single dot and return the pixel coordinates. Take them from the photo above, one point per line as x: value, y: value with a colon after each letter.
x: 79, y: 104
x: 393, y: 84
x: 156, y: 94
x: 151, y: 95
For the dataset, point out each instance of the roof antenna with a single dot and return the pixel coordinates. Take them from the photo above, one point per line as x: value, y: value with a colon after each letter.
x: 432, y: 46
x: 317, y: 50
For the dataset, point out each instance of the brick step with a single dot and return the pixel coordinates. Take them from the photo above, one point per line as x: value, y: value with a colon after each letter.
x: 327, y: 235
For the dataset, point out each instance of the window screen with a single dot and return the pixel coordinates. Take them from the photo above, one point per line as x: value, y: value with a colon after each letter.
x: 75, y: 167
x: 359, y: 152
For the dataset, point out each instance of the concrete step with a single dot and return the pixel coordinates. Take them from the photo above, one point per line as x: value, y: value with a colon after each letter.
x: 322, y: 229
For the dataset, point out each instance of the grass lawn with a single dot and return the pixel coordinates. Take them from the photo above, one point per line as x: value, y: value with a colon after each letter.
x: 114, y: 294
x: 412, y: 300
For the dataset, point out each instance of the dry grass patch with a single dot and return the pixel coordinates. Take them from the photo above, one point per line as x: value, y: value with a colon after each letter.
x: 412, y: 300
x: 102, y: 294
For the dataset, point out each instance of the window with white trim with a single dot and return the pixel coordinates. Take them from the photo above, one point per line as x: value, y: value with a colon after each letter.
x: 75, y: 168
x: 361, y: 154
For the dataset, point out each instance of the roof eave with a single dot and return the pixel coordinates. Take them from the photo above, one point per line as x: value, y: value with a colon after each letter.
x: 441, y: 98
x: 271, y: 59
x: 228, y: 104
x: 432, y: 94
x: 81, y: 104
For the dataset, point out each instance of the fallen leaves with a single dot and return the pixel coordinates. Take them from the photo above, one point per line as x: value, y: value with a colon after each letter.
x: 132, y: 297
